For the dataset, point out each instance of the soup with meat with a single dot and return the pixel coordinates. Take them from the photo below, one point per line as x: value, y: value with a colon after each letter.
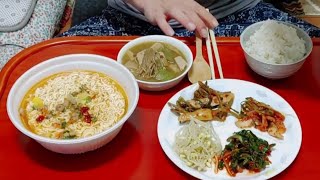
x: 155, y: 61
x: 73, y: 104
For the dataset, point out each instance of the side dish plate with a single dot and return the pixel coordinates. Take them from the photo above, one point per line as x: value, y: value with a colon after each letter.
x: 281, y: 157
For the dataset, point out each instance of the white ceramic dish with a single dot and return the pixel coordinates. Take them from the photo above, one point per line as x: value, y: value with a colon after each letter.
x: 281, y: 157
x: 274, y: 71
x: 159, y: 86
x: 67, y: 63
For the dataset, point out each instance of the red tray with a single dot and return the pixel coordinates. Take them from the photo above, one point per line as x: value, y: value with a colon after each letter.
x: 136, y: 153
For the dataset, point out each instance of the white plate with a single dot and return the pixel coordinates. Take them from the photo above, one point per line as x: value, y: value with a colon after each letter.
x: 281, y: 157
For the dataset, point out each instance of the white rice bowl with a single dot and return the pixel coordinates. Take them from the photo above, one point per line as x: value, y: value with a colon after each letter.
x: 276, y: 43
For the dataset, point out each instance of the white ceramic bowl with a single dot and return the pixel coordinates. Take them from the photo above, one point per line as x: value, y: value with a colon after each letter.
x: 66, y: 63
x: 159, y: 86
x: 269, y: 70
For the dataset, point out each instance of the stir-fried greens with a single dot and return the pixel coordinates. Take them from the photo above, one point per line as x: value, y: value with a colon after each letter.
x: 207, y: 104
x: 262, y: 117
x: 244, y: 151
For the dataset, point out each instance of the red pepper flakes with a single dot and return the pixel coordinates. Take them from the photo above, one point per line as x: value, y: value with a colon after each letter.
x: 85, y: 112
x: 40, y: 118
x: 87, y: 119
x: 261, y: 147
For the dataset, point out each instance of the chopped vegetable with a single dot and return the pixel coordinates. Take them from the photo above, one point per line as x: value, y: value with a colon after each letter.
x: 60, y: 107
x: 87, y: 99
x: 245, y: 151
x: 63, y: 124
x: 68, y: 135
x: 83, y: 97
x: 94, y: 119
x: 164, y: 75
x: 180, y: 62
x: 262, y: 117
x: 207, y: 105
x: 37, y: 103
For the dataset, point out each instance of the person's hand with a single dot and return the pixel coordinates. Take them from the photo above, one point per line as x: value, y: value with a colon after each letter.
x: 187, y: 12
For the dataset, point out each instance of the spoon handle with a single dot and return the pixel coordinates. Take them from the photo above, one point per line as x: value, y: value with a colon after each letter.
x: 198, y: 45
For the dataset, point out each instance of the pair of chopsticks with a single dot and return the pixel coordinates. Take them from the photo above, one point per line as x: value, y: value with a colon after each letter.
x: 213, y: 42
x: 216, y: 53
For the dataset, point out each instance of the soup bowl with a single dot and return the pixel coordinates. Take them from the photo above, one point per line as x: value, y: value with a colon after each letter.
x: 67, y: 63
x: 179, y: 45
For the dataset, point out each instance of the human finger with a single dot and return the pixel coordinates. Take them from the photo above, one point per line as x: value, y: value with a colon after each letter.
x: 207, y: 17
x: 201, y: 27
x: 164, y: 25
x: 182, y: 18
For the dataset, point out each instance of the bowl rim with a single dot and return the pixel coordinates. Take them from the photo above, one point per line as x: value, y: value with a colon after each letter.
x: 61, y: 59
x: 308, y: 41
x: 157, y: 38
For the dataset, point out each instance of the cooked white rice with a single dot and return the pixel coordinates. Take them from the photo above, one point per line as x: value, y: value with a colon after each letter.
x: 276, y: 43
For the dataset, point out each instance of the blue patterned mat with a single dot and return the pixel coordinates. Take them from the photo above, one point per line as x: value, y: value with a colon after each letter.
x: 115, y: 23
